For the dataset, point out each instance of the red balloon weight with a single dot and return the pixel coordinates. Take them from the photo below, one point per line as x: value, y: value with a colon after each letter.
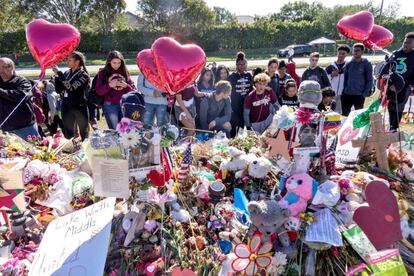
x: 380, y: 37
x: 357, y: 26
x: 51, y: 43
x: 147, y: 66
x: 177, y: 65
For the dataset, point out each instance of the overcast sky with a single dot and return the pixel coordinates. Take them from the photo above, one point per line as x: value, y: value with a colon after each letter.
x: 264, y: 7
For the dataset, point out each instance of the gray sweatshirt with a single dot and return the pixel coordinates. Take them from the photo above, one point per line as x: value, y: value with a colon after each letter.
x: 147, y: 89
x: 358, y: 79
x: 212, y: 110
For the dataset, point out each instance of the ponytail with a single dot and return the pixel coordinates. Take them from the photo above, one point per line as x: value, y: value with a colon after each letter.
x: 82, y: 59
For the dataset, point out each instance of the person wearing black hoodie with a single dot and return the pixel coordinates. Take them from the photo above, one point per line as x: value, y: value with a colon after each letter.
x: 73, y: 85
x: 242, y: 83
x: 16, y: 109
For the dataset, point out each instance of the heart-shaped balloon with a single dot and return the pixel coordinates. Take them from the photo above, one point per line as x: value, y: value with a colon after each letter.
x: 380, y: 37
x: 380, y: 220
x: 147, y: 66
x: 177, y: 65
x: 50, y: 43
x: 357, y: 26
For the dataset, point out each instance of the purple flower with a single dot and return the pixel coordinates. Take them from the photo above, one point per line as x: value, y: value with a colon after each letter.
x: 150, y: 225
x: 124, y: 126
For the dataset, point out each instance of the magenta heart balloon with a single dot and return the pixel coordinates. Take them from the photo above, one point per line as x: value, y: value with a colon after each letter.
x: 51, y: 43
x: 380, y: 37
x: 177, y: 65
x: 357, y: 26
x: 147, y: 66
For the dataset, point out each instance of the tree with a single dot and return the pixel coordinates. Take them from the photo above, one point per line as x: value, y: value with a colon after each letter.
x: 223, y: 16
x: 178, y: 17
x: 63, y: 11
x: 12, y: 16
x: 298, y: 11
x: 107, y: 12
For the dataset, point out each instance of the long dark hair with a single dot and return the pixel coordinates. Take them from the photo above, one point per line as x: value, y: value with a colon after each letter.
x: 219, y: 68
x: 108, y: 68
x: 203, y: 72
x: 81, y: 58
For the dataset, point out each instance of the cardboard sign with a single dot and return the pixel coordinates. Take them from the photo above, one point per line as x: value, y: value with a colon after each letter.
x: 76, y: 244
x: 380, y: 221
x: 345, y: 152
x: 110, y: 177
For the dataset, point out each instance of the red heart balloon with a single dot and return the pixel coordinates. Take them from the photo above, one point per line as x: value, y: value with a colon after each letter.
x: 348, y: 135
x: 51, y: 43
x: 147, y: 66
x: 380, y: 221
x: 357, y: 26
x: 380, y: 37
x: 177, y: 65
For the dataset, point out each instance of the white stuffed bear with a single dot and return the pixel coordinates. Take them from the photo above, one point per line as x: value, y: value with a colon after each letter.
x: 259, y: 167
x: 238, y: 163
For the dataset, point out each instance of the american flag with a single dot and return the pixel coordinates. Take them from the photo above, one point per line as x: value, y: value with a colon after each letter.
x: 185, y: 164
x: 166, y: 160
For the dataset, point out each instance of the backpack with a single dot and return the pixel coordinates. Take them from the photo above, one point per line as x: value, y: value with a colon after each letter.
x: 133, y: 106
x: 92, y: 97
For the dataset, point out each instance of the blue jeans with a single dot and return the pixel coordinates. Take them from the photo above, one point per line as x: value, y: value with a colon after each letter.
x: 155, y: 110
x: 113, y: 114
x: 26, y: 131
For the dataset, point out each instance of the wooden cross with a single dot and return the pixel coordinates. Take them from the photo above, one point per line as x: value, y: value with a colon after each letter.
x: 379, y: 140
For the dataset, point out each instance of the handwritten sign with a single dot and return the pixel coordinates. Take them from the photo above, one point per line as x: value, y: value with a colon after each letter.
x: 110, y: 177
x: 76, y: 244
x: 345, y: 152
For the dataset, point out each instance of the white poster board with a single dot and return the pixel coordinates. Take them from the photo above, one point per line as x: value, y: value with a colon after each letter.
x: 76, y: 244
x: 345, y: 152
x: 110, y: 177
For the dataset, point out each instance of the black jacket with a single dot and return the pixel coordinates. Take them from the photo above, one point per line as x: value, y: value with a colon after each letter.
x: 11, y: 93
x: 73, y: 86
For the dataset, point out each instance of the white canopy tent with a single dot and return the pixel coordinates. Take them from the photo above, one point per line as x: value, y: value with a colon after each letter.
x: 322, y: 41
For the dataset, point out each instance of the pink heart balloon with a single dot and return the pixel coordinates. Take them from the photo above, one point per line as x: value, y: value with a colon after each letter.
x: 177, y: 65
x: 147, y: 66
x: 380, y: 220
x: 357, y: 26
x: 380, y: 37
x: 51, y: 43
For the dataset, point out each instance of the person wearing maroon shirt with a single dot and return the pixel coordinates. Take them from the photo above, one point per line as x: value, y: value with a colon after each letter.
x: 260, y: 104
x: 113, y: 82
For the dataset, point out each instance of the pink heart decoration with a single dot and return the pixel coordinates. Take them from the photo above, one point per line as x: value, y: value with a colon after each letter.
x: 380, y: 37
x: 185, y: 272
x: 50, y: 43
x: 178, y: 65
x: 348, y: 135
x: 380, y: 221
x: 147, y: 66
x: 357, y: 26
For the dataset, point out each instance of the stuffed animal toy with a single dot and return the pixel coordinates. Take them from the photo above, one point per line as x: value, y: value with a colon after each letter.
x: 310, y: 95
x: 300, y: 190
x: 259, y: 167
x: 239, y: 161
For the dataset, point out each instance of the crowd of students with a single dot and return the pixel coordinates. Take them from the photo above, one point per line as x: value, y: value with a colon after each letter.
x: 217, y: 101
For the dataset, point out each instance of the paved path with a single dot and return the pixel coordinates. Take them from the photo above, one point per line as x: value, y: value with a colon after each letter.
x: 229, y: 63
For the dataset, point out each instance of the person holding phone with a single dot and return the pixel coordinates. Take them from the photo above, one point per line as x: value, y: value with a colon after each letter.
x: 113, y: 82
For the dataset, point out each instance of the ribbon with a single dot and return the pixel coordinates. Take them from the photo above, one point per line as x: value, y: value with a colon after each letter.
x: 362, y: 119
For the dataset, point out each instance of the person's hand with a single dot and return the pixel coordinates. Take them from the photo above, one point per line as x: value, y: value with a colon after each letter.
x: 113, y: 84
x: 55, y: 69
x: 122, y: 84
x: 156, y: 94
x: 334, y: 73
x: 188, y: 115
x: 212, y: 124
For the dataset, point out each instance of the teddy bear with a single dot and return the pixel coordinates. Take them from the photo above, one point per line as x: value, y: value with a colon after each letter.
x: 259, y: 167
x: 300, y: 190
x: 269, y: 218
x: 238, y: 162
x: 309, y: 94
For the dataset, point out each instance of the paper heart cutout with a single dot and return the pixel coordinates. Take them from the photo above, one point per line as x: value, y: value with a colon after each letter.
x: 185, y: 272
x: 178, y: 65
x: 148, y: 68
x: 357, y: 26
x: 380, y: 221
x: 347, y: 135
x: 380, y: 37
x: 50, y: 43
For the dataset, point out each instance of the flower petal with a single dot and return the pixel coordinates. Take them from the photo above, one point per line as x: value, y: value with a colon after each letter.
x: 251, y: 269
x: 263, y: 261
x: 255, y: 243
x: 239, y: 265
x: 266, y: 247
x: 242, y: 251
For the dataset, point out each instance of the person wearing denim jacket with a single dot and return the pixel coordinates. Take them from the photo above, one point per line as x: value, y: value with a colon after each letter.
x: 155, y: 102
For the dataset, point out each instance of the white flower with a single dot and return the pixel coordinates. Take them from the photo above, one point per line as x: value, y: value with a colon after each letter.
x: 130, y: 139
x: 278, y: 264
